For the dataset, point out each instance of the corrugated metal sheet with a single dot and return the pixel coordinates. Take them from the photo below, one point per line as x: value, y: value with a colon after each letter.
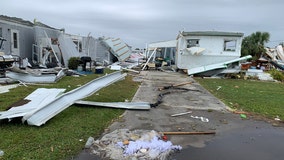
x: 215, y: 66
x: 163, y: 44
x: 118, y: 48
x: 41, y: 116
x: 25, y: 77
x: 37, y: 99
x: 122, y: 105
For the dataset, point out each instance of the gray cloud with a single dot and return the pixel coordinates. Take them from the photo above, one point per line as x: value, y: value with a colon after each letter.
x: 141, y: 22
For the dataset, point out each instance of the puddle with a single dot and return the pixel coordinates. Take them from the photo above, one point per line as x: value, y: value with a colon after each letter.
x: 248, y: 144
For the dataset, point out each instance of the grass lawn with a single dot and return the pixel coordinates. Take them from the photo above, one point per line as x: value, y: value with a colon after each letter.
x: 66, y: 134
x: 264, y: 98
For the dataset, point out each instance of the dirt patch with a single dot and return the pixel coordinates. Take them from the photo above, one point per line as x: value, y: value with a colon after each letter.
x: 18, y: 103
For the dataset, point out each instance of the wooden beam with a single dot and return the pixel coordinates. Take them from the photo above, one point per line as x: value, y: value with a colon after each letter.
x: 188, y: 133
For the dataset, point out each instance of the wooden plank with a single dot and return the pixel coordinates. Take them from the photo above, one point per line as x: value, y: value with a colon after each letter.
x: 188, y: 133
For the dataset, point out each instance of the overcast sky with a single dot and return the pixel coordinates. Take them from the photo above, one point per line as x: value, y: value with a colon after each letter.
x: 138, y: 22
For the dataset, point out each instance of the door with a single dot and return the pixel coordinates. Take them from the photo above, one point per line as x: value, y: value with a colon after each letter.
x: 15, y: 47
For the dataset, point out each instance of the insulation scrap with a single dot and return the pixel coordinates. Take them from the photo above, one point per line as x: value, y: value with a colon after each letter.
x: 142, y: 144
x: 155, y: 146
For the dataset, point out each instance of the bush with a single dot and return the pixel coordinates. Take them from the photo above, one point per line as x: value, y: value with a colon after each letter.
x: 73, y: 62
x: 277, y: 75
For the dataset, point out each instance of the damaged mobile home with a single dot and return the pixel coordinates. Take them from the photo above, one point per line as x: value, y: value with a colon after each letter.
x: 40, y: 46
x: 276, y: 56
x: 201, y: 51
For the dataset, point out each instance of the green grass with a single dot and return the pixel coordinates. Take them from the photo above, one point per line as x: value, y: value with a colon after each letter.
x: 264, y: 98
x: 64, y: 135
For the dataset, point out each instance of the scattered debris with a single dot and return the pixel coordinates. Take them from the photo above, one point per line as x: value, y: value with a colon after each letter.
x: 219, y: 87
x: 36, y: 100
x: 277, y: 118
x: 259, y: 74
x: 203, y: 119
x: 6, y: 88
x: 188, y: 133
x: 180, y: 114
x: 46, y: 103
x: 42, y: 115
x: 139, y: 144
x: 35, y: 75
x: 243, y: 116
x: 239, y: 112
x: 118, y: 66
x: 89, y: 142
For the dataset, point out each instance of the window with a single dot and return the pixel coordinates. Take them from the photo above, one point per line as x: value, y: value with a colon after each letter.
x: 78, y: 44
x: 192, y: 43
x: 230, y: 45
x: 15, y: 40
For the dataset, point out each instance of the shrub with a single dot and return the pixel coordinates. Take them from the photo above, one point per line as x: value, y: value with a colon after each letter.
x: 277, y: 75
x: 73, y: 62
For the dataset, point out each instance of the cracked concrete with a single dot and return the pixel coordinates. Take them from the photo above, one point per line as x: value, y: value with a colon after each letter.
x: 227, y: 125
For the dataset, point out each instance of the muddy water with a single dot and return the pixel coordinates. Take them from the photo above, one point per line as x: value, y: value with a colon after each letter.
x: 248, y: 144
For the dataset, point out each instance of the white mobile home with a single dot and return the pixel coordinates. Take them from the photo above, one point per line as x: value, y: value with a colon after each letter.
x: 207, y: 50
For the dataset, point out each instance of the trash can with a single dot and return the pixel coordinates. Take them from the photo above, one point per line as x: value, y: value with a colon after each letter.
x: 99, y: 70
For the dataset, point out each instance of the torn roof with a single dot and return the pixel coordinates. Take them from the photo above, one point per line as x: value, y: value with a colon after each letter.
x: 16, y: 20
x: 24, y: 22
x: 118, y: 48
x: 37, y: 23
x: 212, y: 33
x: 163, y: 44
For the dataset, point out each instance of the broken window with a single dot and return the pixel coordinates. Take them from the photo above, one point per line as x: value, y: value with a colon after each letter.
x: 230, y: 45
x: 78, y: 44
x: 192, y: 43
x: 15, y: 40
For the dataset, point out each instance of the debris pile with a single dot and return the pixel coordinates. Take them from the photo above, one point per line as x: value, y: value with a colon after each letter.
x: 140, y: 144
x: 46, y: 103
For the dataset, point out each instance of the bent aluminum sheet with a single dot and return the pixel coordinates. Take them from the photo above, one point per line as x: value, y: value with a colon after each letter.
x: 40, y: 97
x: 41, y: 116
x: 215, y: 66
x: 31, y: 78
x: 122, y: 105
x: 6, y: 88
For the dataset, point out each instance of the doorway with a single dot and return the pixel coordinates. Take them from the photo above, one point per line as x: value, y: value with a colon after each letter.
x: 15, y: 47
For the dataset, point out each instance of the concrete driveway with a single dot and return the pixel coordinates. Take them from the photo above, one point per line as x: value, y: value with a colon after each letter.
x: 192, y: 97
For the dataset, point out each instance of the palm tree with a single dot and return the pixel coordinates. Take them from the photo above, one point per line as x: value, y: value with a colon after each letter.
x: 254, y: 44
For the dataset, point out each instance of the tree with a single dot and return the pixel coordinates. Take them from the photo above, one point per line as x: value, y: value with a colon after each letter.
x: 254, y: 44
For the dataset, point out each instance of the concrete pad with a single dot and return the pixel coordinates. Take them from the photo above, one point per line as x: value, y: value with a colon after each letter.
x: 159, y: 118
